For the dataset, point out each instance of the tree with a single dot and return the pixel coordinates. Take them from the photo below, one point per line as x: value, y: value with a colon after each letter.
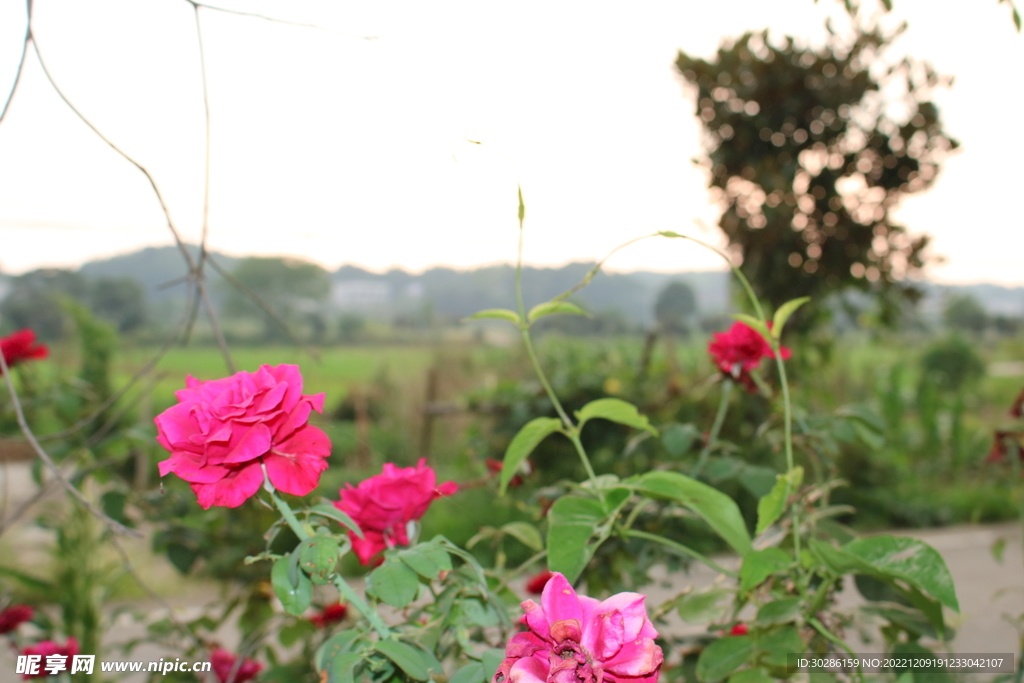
x: 35, y: 301
x: 119, y: 301
x: 290, y: 287
x: 675, y: 306
x: 964, y: 312
x: 809, y: 159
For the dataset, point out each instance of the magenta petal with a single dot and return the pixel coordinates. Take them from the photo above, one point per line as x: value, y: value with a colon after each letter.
x: 295, y: 465
x: 604, y: 635
x: 292, y: 422
x: 448, y: 488
x: 534, y: 618
x: 368, y: 546
x: 176, y: 424
x: 559, y: 600
x: 237, y: 487
x: 254, y: 442
x: 316, y: 401
x: 638, y: 657
x: 191, y: 469
x: 523, y: 644
x: 633, y: 610
x: 528, y: 670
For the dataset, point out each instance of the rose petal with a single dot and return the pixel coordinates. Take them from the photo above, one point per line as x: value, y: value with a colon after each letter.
x: 247, y: 444
x: 559, y: 600
x: 638, y: 657
x: 238, y: 486
x: 528, y: 670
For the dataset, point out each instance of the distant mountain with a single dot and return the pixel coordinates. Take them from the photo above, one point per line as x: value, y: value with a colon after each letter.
x: 454, y: 294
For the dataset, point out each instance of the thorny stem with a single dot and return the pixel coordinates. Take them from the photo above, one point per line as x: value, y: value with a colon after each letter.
x: 346, y: 591
x: 723, y: 408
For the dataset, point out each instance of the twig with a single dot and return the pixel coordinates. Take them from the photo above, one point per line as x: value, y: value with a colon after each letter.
x: 8, y: 522
x: 116, y: 417
x: 21, y: 61
x: 112, y: 524
x: 254, y: 15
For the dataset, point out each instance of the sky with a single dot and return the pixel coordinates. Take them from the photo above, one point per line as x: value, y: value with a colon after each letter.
x: 341, y: 149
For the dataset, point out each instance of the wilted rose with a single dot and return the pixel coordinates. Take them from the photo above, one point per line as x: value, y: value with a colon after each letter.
x: 222, y: 433
x: 384, y: 504
x: 330, y: 614
x: 576, y: 639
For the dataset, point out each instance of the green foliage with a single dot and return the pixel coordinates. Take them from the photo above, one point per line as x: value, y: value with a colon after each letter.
x: 807, y: 185
x: 952, y: 363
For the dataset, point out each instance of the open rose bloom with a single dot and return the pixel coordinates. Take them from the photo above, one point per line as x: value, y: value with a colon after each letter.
x: 223, y: 663
x: 739, y: 350
x: 223, y: 433
x: 383, y: 505
x: 576, y: 639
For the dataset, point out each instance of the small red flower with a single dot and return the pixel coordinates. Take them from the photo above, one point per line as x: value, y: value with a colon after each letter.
x: 14, y: 616
x: 740, y: 350
x: 331, y: 614
x: 223, y: 662
x: 739, y: 629
x: 22, y: 346
x: 47, y: 649
x: 1017, y: 409
x: 536, y: 584
x: 494, y: 469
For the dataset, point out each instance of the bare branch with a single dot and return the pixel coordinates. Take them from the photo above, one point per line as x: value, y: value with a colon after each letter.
x: 112, y: 524
x: 8, y: 522
x: 254, y: 15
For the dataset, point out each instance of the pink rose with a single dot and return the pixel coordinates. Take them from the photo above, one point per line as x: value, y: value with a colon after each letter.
x: 382, y: 505
x: 741, y: 346
x: 223, y: 662
x: 576, y: 639
x: 49, y: 648
x: 222, y: 433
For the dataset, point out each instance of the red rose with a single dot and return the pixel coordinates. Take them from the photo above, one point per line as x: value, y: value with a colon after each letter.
x: 223, y: 662
x: 331, y: 614
x: 739, y: 629
x: 14, y: 616
x: 536, y: 584
x: 47, y: 649
x: 740, y: 350
x: 222, y: 434
x: 21, y: 346
x: 383, y: 505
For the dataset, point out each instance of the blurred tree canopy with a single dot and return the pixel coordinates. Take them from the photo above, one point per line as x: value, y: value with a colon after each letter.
x: 675, y: 307
x: 964, y: 312
x: 810, y: 150
x: 290, y: 287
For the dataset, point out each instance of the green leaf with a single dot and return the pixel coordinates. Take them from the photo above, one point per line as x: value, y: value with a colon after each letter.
x: 471, y: 673
x: 405, y: 656
x: 782, y: 314
x: 27, y: 580
x: 778, y: 644
x: 722, y: 657
x: 331, y: 512
x: 755, y: 324
x: 997, y: 549
x: 751, y: 676
x: 758, y: 565
x: 523, y: 443
x: 571, y: 523
x: 522, y: 206
x: 491, y: 660
x: 717, y: 509
x: 554, y: 308
x: 498, y: 313
x: 334, y: 646
x: 295, y: 598
x: 616, y: 410
x: 288, y: 635
x: 181, y: 556
x: 702, y: 607
x: 778, y: 612
x: 343, y: 668
x: 394, y: 582
x: 318, y: 558
x: 525, y: 533
x: 771, y: 507
x: 678, y: 439
x: 911, y: 560
x: 427, y: 559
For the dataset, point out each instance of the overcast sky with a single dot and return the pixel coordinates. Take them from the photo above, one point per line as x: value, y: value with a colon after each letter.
x: 345, y: 150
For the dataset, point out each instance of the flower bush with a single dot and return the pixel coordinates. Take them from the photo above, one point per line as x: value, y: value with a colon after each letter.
x: 225, y: 434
